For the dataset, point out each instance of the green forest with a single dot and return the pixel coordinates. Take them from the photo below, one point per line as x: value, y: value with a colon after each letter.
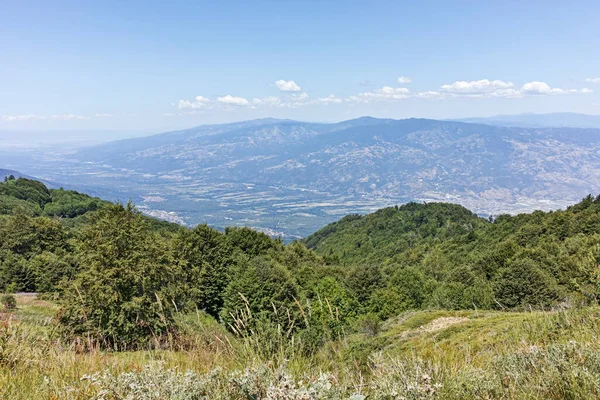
x: 122, y: 281
x: 121, y: 276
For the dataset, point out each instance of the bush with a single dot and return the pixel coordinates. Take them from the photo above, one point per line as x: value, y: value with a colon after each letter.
x: 523, y: 283
x: 260, y: 289
x: 9, y: 301
x: 368, y: 324
x: 388, y: 302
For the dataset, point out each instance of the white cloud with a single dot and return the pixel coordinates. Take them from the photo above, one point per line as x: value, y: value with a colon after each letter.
x: 404, y: 80
x: 233, y: 101
x: 287, y: 86
x: 198, y: 102
x: 34, y: 117
x: 331, y: 99
x: 394, y: 91
x: 385, y: 93
x: 26, y: 117
x: 270, y: 101
x: 537, y: 88
x: 483, y: 88
x: 476, y: 88
x: 105, y: 115
x: 593, y: 80
x: 429, y: 95
x: 300, y: 97
x: 499, y: 88
x: 69, y: 117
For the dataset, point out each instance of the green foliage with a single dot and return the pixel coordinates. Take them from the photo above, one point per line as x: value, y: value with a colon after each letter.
x: 9, y: 301
x: 128, y: 294
x: 251, y: 242
x: 24, y: 238
x: 380, y: 236
x: 70, y: 204
x: 26, y: 189
x: 9, y: 205
x: 205, y: 256
x: 369, y: 324
x: 363, y: 280
x: 441, y: 255
x: 523, y: 283
x: 122, y: 277
x: 388, y: 302
x: 263, y: 289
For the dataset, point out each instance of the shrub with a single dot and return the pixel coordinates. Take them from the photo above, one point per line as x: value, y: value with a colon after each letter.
x: 157, y: 383
x: 523, y: 283
x: 388, y: 302
x: 260, y: 289
x: 368, y: 324
x: 9, y: 301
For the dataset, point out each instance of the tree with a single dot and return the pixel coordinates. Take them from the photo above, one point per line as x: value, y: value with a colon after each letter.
x: 262, y: 288
x: 523, y: 283
x: 251, y: 242
x: 412, y: 285
x: 205, y: 256
x: 128, y: 293
x: 388, y: 302
x: 363, y: 280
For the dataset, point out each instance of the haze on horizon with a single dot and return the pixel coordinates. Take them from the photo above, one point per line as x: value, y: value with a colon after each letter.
x: 146, y: 67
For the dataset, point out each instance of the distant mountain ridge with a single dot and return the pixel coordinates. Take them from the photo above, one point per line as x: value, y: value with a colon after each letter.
x: 530, y: 120
x: 8, y: 172
x: 288, y: 177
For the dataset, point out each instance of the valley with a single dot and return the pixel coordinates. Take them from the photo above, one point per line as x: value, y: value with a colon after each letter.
x: 289, y: 178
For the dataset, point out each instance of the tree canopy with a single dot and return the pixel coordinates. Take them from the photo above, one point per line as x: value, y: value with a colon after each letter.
x: 122, y: 277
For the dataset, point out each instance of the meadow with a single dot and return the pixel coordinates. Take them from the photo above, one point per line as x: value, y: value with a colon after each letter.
x: 427, y: 354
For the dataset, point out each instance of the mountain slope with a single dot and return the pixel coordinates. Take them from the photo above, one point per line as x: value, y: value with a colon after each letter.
x: 4, y: 173
x: 515, y: 257
x: 288, y: 177
x: 390, y: 231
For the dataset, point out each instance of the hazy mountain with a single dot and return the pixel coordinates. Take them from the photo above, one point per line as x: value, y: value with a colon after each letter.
x: 290, y: 178
x: 28, y: 139
x: 557, y: 120
x: 8, y: 172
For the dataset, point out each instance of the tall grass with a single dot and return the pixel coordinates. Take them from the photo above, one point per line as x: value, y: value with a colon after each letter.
x: 535, y: 355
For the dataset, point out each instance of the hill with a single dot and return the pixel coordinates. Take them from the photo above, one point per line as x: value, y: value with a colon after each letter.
x: 287, y: 178
x: 544, y: 255
x: 4, y: 173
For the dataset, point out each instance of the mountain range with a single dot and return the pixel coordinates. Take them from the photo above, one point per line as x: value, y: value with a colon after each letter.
x: 531, y: 120
x: 289, y: 178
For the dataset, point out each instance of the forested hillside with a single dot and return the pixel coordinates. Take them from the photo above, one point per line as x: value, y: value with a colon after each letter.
x: 459, y: 260
x: 121, y: 277
x: 118, y: 280
x: 38, y: 227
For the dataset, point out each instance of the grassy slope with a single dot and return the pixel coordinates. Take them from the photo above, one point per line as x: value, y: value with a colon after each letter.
x: 472, y: 354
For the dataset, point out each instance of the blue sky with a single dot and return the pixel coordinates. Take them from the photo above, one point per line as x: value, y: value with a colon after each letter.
x: 145, y: 65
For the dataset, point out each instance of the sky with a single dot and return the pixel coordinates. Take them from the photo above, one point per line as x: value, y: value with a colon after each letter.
x: 150, y: 66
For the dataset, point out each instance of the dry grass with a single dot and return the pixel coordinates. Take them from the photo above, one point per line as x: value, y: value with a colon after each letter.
x: 425, y: 354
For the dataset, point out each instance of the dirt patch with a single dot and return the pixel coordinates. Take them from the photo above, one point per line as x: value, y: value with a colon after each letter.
x: 436, y: 325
